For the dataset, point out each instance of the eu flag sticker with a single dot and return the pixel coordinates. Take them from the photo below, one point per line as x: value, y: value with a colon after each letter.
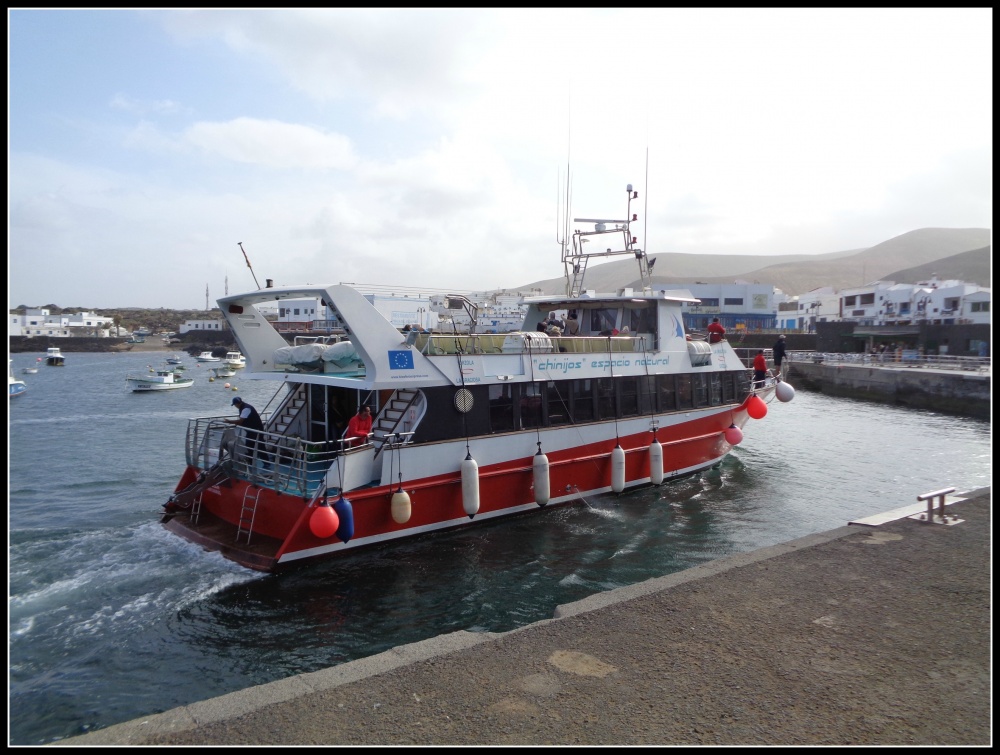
x: 401, y: 360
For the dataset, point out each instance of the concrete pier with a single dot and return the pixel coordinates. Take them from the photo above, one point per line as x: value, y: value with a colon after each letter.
x: 874, y: 633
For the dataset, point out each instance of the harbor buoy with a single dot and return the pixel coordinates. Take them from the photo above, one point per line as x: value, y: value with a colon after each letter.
x: 655, y: 462
x: 211, y: 380
x: 734, y: 436
x: 756, y: 407
x: 540, y: 475
x: 235, y: 388
x: 470, y: 486
x: 227, y: 384
x: 400, y: 507
x: 345, y: 513
x: 618, y: 469
x: 784, y: 392
x: 324, y: 521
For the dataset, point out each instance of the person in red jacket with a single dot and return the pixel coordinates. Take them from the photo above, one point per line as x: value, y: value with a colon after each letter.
x: 715, y: 331
x: 759, y: 367
x: 359, y: 426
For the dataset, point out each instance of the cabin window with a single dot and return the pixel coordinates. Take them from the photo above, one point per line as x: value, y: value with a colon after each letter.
x: 685, y: 399
x: 699, y: 385
x: 728, y: 388
x: 666, y: 393
x: 628, y: 396
x: 605, y: 390
x: 742, y: 386
x: 501, y: 408
x: 603, y: 319
x: 647, y: 394
x: 583, y: 400
x: 715, y: 389
x: 643, y: 320
x: 530, y: 405
x: 558, y: 402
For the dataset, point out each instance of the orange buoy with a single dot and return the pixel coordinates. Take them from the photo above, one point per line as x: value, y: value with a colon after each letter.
x: 324, y: 521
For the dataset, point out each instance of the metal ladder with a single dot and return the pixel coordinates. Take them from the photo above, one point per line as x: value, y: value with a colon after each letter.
x: 248, y: 512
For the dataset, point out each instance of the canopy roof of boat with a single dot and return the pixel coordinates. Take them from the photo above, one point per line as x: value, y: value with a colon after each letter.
x: 590, y: 299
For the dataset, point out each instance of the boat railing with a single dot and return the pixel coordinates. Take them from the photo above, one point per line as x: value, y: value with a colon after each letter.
x: 435, y: 344
x: 898, y: 358
x: 285, y: 463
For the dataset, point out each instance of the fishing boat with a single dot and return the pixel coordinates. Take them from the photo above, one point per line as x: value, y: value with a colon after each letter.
x: 468, y: 427
x: 17, y: 386
x: 206, y: 356
x: 32, y: 369
x: 224, y: 371
x: 235, y: 359
x: 54, y: 357
x: 165, y: 379
x: 174, y: 360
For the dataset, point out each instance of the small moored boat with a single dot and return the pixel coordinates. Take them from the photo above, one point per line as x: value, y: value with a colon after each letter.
x: 206, y: 356
x: 158, y: 380
x: 54, y: 357
x: 223, y: 371
x: 17, y: 387
x: 235, y: 360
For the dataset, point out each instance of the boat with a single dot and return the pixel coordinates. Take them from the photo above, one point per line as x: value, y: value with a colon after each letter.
x: 235, y: 359
x: 54, y: 357
x: 32, y: 369
x: 17, y: 386
x: 468, y: 427
x: 206, y: 356
x: 223, y: 371
x: 164, y: 379
x: 174, y: 360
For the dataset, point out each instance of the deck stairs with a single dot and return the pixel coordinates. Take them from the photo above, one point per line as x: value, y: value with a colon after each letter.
x: 392, y: 418
x: 289, y: 411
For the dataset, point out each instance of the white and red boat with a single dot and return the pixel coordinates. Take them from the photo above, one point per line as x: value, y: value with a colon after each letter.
x: 468, y: 427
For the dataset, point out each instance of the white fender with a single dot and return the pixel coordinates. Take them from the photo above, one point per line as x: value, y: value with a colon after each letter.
x: 618, y: 469
x: 540, y: 472
x: 784, y: 392
x: 655, y: 462
x: 470, y: 486
x: 401, y: 508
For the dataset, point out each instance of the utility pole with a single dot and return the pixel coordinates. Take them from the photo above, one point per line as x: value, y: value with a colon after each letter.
x: 206, y: 297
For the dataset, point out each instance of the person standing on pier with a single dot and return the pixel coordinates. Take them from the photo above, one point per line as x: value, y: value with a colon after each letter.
x: 779, y: 354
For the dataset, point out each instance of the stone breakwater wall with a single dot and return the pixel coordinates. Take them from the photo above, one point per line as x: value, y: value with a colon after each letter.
x: 954, y: 392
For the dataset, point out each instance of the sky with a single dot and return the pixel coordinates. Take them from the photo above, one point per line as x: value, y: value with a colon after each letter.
x: 437, y: 148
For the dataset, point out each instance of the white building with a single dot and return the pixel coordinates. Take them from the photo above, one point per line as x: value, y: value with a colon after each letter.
x: 935, y: 301
x: 740, y: 306
x: 201, y: 326
x: 41, y: 322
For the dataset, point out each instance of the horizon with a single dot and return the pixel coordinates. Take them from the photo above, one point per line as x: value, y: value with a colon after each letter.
x: 435, y: 146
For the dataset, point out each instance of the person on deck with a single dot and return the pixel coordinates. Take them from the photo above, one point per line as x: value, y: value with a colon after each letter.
x: 715, y: 331
x: 759, y: 367
x: 360, y: 426
x: 251, y: 421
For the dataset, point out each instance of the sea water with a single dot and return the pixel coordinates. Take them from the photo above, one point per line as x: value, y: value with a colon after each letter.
x: 113, y: 618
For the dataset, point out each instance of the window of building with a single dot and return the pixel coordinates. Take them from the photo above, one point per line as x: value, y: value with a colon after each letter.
x: 734, y: 302
x: 979, y: 306
x: 709, y: 302
x: 850, y: 301
x: 867, y: 299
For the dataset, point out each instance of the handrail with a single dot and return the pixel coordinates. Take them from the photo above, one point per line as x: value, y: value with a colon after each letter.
x: 900, y: 358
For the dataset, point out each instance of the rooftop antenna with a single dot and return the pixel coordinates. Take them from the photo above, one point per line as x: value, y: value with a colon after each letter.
x: 206, y: 297
x: 248, y: 263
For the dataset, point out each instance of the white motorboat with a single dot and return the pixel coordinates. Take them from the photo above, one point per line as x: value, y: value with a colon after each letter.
x: 54, y: 357
x: 17, y: 387
x: 157, y: 380
x: 206, y: 356
x: 235, y: 359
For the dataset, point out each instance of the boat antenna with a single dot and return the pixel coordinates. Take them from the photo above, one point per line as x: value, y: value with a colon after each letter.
x: 645, y: 212
x: 248, y: 264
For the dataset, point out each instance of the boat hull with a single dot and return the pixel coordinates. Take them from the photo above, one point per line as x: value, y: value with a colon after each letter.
x: 139, y: 386
x: 280, y: 536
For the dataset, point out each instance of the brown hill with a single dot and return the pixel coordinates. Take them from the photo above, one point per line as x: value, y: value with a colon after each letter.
x: 939, y: 250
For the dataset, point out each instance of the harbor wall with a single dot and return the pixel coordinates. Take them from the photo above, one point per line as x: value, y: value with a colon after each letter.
x: 950, y: 391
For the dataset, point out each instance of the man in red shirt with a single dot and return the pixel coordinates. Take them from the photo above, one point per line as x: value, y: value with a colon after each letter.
x: 759, y: 367
x: 359, y: 426
x: 715, y: 331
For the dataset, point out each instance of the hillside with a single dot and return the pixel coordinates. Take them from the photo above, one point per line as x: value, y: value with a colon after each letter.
x: 960, y: 253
